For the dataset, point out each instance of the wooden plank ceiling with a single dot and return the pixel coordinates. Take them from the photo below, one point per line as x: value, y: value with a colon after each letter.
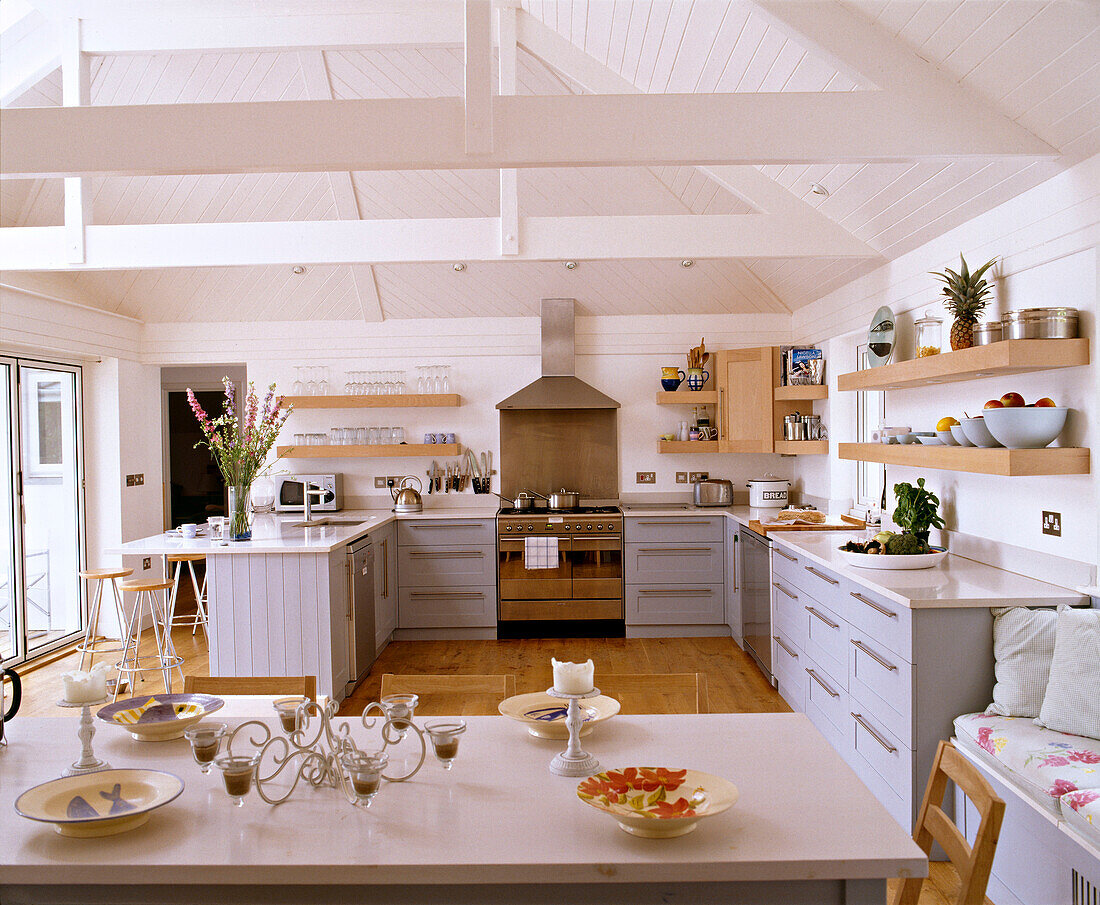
x: 1036, y: 62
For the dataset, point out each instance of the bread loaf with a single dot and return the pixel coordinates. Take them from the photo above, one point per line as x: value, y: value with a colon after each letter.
x: 813, y: 516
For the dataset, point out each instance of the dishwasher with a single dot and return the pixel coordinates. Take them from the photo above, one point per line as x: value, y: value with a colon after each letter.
x: 756, y: 598
x: 361, y: 639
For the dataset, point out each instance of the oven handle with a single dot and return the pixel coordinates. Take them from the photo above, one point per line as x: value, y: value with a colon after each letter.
x: 452, y: 554
x: 602, y: 542
x: 516, y: 543
x: 671, y: 550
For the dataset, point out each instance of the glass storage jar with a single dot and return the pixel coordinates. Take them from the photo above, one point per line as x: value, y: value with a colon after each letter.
x: 929, y: 334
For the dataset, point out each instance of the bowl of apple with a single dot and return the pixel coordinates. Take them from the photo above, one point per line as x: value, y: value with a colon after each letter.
x: 1019, y: 425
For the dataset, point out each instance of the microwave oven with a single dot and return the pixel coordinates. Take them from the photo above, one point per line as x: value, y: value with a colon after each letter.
x: 289, y: 492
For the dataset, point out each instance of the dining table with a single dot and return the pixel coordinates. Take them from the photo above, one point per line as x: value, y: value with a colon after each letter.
x: 496, y: 827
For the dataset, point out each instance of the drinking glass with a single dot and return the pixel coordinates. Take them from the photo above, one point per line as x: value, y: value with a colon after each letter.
x: 238, y: 773
x: 373, y: 436
x: 299, y: 439
x: 296, y: 387
x: 446, y: 387
x: 206, y: 741
x: 348, y: 388
x: 399, y: 708
x: 311, y: 383
x: 323, y: 385
x: 287, y: 710
x: 420, y: 380
x: 398, y: 435
x: 365, y: 773
x: 336, y: 436
x: 362, y: 436
x: 444, y: 735
x: 402, y: 386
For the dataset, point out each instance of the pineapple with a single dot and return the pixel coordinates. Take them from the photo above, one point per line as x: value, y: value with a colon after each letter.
x: 966, y: 297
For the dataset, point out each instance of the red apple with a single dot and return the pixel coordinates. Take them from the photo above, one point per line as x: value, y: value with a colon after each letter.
x: 994, y: 404
x: 1046, y: 403
x: 1012, y: 400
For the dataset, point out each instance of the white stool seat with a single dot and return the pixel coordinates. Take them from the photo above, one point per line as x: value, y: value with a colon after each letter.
x: 92, y: 644
x: 152, y: 598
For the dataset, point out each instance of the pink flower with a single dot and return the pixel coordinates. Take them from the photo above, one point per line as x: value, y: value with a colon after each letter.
x: 984, y: 739
x: 1054, y: 760
x: 1080, y: 798
x: 1061, y: 787
x: 1085, y: 757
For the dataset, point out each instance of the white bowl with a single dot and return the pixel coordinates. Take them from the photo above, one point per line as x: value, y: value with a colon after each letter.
x: 978, y: 434
x: 1026, y: 427
x: 930, y: 441
x: 947, y: 438
x: 960, y: 435
x: 894, y: 562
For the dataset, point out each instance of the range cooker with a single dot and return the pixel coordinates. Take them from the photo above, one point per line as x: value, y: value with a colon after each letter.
x: 581, y: 554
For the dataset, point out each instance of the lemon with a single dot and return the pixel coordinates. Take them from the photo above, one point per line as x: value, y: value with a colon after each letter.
x: 945, y: 424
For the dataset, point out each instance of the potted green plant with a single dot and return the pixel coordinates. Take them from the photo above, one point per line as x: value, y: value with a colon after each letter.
x: 917, y: 513
x: 966, y: 295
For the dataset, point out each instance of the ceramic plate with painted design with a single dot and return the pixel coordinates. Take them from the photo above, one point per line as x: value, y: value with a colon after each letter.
x: 657, y: 802
x: 99, y: 804
x: 544, y: 716
x: 159, y: 717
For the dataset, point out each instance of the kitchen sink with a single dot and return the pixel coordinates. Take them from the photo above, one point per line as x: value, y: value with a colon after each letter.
x: 327, y: 523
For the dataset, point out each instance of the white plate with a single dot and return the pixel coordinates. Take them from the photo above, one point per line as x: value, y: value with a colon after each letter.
x: 544, y: 716
x: 894, y: 563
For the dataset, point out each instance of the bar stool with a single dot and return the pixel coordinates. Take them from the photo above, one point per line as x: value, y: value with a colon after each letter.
x: 200, y: 617
x: 92, y: 644
x: 152, y: 598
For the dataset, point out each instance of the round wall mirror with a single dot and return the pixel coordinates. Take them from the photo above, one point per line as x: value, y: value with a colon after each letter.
x: 880, y: 337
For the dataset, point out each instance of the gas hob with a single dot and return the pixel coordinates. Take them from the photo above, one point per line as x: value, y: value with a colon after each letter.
x: 584, y: 520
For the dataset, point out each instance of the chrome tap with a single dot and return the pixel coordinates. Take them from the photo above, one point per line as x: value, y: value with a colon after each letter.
x: 309, y: 490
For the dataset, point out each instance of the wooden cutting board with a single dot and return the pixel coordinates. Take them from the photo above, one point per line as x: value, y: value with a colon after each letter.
x: 846, y: 523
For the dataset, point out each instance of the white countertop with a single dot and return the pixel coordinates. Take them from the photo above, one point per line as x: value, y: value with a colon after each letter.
x: 956, y: 582
x: 499, y: 816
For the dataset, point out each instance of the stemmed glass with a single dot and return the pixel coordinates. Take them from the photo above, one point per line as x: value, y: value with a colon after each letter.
x: 238, y: 773
x: 205, y: 740
x: 349, y: 387
x: 420, y: 380
x: 311, y: 384
x: 444, y: 735
x: 323, y: 386
x: 296, y: 387
x: 446, y: 388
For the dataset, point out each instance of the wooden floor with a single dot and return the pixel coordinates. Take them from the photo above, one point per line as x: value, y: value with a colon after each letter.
x: 735, y: 684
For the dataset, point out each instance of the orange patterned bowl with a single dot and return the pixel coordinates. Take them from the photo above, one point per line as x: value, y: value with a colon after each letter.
x: 657, y: 802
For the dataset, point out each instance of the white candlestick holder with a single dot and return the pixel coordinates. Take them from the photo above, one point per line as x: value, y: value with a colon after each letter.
x: 574, y: 761
x: 88, y: 762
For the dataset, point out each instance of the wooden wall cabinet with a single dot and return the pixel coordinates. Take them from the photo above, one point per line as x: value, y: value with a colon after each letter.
x: 750, y: 417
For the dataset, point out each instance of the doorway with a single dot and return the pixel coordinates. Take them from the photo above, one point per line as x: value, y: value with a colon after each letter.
x: 196, y: 488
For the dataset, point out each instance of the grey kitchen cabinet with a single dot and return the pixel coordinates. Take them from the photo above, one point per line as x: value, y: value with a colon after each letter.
x: 733, y: 580
x: 385, y: 584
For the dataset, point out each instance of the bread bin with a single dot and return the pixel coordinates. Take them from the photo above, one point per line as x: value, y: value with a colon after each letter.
x: 712, y: 493
x: 768, y: 492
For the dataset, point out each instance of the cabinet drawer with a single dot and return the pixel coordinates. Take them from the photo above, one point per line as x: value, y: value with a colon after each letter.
x: 787, y: 613
x: 888, y: 623
x: 826, y: 640
x: 827, y: 706
x: 675, y: 529
x: 787, y: 664
x: 882, y: 683
x: 447, y: 607
x: 823, y: 585
x: 684, y: 604
x: 891, y: 764
x: 448, y: 566
x: 675, y: 563
x: 785, y: 563
x: 447, y: 531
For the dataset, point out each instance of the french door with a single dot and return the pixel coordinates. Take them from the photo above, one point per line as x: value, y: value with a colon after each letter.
x: 41, y: 507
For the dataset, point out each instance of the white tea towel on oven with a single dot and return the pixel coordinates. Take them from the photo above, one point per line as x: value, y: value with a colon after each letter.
x: 540, y: 553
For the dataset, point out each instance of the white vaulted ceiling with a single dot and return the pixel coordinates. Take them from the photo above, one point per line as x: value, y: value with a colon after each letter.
x: 1034, y: 62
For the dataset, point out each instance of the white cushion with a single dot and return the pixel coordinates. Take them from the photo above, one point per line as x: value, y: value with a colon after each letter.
x: 1023, y: 645
x: 1072, y: 700
x: 1081, y: 810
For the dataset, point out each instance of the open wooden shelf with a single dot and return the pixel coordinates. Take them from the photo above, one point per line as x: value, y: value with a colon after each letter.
x: 802, y: 447
x: 399, y: 401
x: 687, y: 446
x: 379, y: 451
x: 687, y: 397
x: 1053, y: 460
x: 807, y: 392
x: 1010, y: 356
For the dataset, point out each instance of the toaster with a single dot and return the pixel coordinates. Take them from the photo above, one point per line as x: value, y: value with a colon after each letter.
x: 712, y: 493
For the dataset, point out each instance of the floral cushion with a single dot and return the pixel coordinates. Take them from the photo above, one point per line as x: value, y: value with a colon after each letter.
x: 1044, y: 762
x: 1081, y: 809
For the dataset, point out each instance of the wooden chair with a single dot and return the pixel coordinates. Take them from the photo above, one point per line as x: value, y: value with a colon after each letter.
x: 669, y: 692
x: 452, y: 695
x: 223, y: 685
x: 933, y: 825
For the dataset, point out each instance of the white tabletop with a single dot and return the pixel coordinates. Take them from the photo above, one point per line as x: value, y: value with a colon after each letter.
x: 498, y: 817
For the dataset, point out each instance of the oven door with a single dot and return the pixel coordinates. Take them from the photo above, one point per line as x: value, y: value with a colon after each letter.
x: 517, y: 582
x: 597, y: 567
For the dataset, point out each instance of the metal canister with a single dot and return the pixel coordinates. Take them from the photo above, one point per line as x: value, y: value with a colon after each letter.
x: 1022, y: 324
x: 987, y: 332
x: 793, y: 428
x: 811, y: 427
x: 1057, y: 323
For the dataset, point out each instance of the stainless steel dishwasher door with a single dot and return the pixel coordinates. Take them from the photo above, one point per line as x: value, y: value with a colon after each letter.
x: 361, y: 639
x: 756, y: 599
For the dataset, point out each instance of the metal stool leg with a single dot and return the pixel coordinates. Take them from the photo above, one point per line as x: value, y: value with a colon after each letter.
x: 87, y: 646
x: 131, y: 645
x: 168, y: 653
x: 164, y: 669
x: 200, y: 602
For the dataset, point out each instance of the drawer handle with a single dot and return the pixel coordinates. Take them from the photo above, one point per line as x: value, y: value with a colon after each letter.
x: 679, y: 592
x: 439, y: 527
x: 784, y: 555
x: 447, y: 595
x: 886, y: 664
x: 443, y: 554
x: 779, y: 641
x: 780, y: 587
x: 878, y: 738
x: 817, y: 678
x: 676, y: 550
x: 685, y: 524
x: 820, y: 575
x: 828, y: 622
x: 873, y: 605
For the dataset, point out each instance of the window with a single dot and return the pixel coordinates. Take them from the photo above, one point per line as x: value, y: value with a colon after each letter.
x: 46, y: 426
x: 870, y: 414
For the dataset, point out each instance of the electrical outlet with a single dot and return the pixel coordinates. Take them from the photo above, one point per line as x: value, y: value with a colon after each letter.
x: 695, y: 476
x: 681, y: 477
x: 147, y: 563
x: 646, y: 477
x: 139, y: 479
x: 380, y: 482
x: 1052, y: 523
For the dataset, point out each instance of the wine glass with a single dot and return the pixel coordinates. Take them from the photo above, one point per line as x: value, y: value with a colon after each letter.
x: 323, y: 386
x: 311, y: 384
x: 296, y: 387
x: 420, y: 380
x: 446, y: 388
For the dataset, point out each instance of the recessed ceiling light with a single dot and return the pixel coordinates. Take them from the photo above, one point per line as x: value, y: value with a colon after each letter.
x: 459, y: 267
x: 818, y: 189
x: 687, y: 262
x: 570, y: 265
x: 299, y: 269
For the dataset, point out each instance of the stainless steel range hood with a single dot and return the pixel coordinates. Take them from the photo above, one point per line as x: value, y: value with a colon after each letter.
x: 559, y: 387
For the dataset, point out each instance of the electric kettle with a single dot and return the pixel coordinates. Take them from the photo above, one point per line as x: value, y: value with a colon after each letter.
x: 16, y: 697
x: 406, y: 499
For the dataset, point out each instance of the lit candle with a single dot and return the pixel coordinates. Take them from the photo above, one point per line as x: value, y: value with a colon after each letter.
x: 86, y: 687
x: 573, y: 678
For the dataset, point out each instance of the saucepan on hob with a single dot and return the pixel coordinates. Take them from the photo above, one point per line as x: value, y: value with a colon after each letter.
x: 522, y: 503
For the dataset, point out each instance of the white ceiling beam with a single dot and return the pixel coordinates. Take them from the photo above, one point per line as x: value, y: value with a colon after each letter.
x: 478, y: 77
x: 76, y: 91
x: 29, y: 51
x: 509, y: 178
x: 319, y: 87
x: 430, y: 133
x: 165, y: 245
